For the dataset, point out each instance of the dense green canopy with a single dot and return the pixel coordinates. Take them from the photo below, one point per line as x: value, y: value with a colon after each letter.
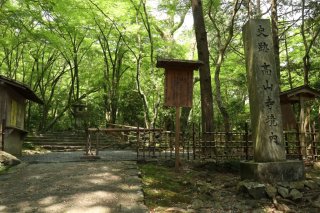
x: 103, y: 53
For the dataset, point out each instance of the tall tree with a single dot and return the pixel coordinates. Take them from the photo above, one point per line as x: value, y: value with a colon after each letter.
x: 205, y: 77
x: 222, y: 50
x: 307, y: 45
x: 275, y: 34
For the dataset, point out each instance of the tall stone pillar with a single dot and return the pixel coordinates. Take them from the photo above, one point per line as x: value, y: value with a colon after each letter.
x: 269, y: 164
x: 264, y: 91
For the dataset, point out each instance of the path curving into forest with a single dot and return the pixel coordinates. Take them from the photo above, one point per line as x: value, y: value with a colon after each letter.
x: 63, y: 182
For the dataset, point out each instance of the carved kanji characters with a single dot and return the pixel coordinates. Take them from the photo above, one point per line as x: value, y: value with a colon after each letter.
x: 269, y: 103
x: 271, y: 120
x: 274, y: 138
x: 265, y: 69
x: 267, y: 86
x: 263, y: 47
x: 261, y: 31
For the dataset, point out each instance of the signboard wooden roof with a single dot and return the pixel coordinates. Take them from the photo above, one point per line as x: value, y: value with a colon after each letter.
x: 178, y: 81
x: 189, y: 64
x: 22, y: 89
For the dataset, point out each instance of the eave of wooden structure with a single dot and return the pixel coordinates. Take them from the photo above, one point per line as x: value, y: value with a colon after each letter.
x: 20, y: 88
x: 177, y: 63
x: 297, y: 94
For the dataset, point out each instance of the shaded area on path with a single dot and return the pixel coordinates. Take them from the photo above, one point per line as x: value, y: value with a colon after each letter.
x: 57, y: 183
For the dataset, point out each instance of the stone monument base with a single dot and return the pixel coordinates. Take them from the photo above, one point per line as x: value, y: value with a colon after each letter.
x: 271, y: 172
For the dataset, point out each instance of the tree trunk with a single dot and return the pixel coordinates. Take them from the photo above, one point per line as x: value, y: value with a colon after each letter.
x: 205, y: 78
x: 288, y: 63
x: 220, y: 58
x: 275, y: 35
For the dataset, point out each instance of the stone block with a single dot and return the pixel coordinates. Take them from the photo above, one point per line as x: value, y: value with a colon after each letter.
x: 264, y: 89
x: 295, y: 194
x: 272, y: 172
x: 8, y: 160
x: 254, y: 189
x: 284, y: 192
x: 299, y: 185
x: 311, y: 184
x: 271, y: 191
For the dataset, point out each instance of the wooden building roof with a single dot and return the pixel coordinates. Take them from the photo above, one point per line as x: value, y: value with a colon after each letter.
x: 294, y: 95
x: 20, y: 88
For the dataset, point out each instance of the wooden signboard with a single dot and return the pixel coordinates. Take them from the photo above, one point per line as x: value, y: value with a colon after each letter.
x: 178, y: 81
x: 178, y: 87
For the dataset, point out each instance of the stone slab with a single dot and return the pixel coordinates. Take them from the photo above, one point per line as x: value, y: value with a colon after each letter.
x: 264, y: 89
x: 272, y: 172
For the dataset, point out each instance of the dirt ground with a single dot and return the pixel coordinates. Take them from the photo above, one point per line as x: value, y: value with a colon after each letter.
x: 101, y: 186
x: 62, y: 182
x: 213, y: 188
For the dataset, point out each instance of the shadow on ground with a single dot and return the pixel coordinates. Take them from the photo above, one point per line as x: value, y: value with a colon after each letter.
x: 100, y: 186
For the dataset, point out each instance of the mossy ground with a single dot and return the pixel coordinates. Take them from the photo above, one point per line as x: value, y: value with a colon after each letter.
x: 3, y: 169
x: 163, y: 186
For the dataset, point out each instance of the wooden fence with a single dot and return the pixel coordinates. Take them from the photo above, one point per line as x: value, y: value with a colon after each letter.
x: 220, y: 146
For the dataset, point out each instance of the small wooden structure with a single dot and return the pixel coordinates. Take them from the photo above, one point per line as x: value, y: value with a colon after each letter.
x: 178, y: 90
x: 13, y: 96
x: 178, y: 81
x: 298, y: 95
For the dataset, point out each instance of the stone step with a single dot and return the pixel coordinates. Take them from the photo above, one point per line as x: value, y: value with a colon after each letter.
x: 63, y: 148
x: 68, y: 141
x: 61, y: 136
x: 55, y: 139
x: 52, y: 142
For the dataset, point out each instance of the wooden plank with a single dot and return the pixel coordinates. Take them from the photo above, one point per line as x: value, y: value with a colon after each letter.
x: 178, y: 87
x: 120, y: 130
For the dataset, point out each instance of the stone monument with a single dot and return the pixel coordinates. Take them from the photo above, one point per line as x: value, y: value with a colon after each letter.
x: 269, y: 163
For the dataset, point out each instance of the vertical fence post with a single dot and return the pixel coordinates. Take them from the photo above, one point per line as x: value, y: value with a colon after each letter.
x: 200, y: 142
x: 138, y: 142
x: 286, y: 142
x: 153, y: 138
x: 177, y: 140
x: 88, y: 142
x: 3, y: 128
x: 193, y: 142
x: 246, y: 136
x: 171, y: 145
x: 188, y: 145
x: 314, y: 145
x: 166, y: 145
x: 97, y: 143
x: 143, y: 145
x: 298, y: 144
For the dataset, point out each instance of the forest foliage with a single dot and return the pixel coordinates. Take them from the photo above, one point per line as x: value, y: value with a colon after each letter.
x: 103, y: 53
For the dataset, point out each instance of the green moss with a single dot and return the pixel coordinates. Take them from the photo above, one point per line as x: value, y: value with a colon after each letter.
x: 164, y: 187
x: 3, y: 169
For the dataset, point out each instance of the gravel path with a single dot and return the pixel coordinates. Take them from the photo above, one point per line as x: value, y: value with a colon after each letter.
x: 63, y: 182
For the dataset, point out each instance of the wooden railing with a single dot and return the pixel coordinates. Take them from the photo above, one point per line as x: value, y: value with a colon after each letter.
x: 157, y: 143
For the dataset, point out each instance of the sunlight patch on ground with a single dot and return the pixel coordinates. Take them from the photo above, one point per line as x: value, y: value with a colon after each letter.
x: 2, y: 208
x: 91, y: 198
x: 48, y: 200
x: 93, y: 209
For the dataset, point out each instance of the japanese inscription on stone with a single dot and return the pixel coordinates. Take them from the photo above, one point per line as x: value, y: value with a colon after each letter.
x: 263, y: 92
